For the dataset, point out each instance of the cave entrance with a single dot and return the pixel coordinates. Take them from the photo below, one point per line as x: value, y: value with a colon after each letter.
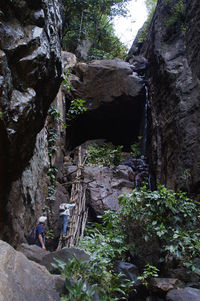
x: 120, y: 122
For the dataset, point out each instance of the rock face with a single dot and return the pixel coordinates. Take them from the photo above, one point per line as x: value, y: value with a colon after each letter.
x: 30, y: 75
x: 22, y: 279
x: 115, y: 98
x: 172, y: 50
x: 185, y: 294
x: 34, y: 193
x: 104, y: 185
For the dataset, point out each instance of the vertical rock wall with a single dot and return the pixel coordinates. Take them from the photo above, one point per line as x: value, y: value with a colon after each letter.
x: 30, y: 75
x: 172, y: 50
x: 29, y: 196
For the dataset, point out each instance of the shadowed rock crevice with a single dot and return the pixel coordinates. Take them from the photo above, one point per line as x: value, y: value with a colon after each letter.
x: 115, y: 101
x: 172, y: 50
x: 119, y: 122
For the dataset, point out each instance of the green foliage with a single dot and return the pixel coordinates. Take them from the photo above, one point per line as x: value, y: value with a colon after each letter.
x: 92, y: 20
x: 151, y: 6
x: 105, y: 242
x: 54, y: 113
x: 50, y: 234
x: 135, y: 148
x: 51, y: 138
x: 104, y: 155
x: 77, y: 107
x: 142, y: 34
x: 1, y: 115
x: 149, y: 271
x: 52, y: 172
x: 79, y: 290
x: 169, y: 217
x: 177, y: 16
x: 105, y: 245
x: 66, y: 81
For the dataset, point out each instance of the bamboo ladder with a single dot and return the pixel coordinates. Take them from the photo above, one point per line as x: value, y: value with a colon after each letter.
x: 78, y: 217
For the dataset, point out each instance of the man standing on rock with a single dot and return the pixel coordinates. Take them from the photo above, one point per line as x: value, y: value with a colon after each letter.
x: 40, y: 235
x: 64, y: 214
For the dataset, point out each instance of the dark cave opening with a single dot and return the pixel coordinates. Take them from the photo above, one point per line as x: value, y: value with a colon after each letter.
x: 120, y: 122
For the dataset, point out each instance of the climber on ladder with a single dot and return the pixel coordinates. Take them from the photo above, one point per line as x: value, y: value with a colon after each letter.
x: 64, y: 214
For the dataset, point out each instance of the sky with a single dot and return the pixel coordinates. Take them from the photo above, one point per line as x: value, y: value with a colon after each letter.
x: 126, y: 28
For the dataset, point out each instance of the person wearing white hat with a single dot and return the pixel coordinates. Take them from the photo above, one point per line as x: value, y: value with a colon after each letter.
x: 40, y: 235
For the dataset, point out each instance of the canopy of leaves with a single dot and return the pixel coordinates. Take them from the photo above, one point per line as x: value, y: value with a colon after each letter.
x: 91, y: 20
x: 169, y: 217
x: 104, y: 155
x: 151, y: 5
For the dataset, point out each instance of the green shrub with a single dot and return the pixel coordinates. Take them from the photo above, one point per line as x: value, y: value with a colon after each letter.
x: 177, y: 17
x: 170, y: 218
x: 77, y: 107
x: 105, y: 243
x: 104, y: 155
x: 136, y: 148
x: 66, y: 81
x: 149, y: 271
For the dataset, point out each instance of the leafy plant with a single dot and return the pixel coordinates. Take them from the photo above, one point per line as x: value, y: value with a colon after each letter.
x: 66, y: 81
x: 52, y: 171
x: 149, y: 271
x: 1, y: 115
x: 135, y: 148
x: 50, y: 234
x: 54, y: 113
x: 177, y: 16
x: 97, y: 274
x: 77, y: 107
x: 51, y: 138
x: 105, y: 155
x: 79, y: 290
x: 163, y: 215
x: 92, y: 20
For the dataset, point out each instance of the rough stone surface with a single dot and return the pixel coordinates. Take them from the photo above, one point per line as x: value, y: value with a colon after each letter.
x: 32, y: 252
x: 69, y: 59
x: 129, y: 270
x: 104, y: 185
x: 115, y: 98
x: 64, y: 254
x: 83, y: 49
x: 22, y: 279
x: 30, y: 75
x: 185, y: 294
x: 165, y: 284
x: 172, y: 50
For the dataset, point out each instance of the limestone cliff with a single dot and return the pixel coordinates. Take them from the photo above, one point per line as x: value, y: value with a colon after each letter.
x: 172, y: 50
x: 30, y: 75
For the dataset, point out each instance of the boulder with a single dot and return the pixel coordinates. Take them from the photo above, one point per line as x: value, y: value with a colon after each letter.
x: 115, y: 97
x: 32, y: 252
x: 22, y: 279
x: 129, y: 270
x: 104, y: 185
x: 63, y: 255
x: 165, y: 284
x: 185, y: 294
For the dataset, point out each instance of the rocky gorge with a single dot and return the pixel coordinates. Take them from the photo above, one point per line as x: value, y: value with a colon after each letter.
x: 44, y: 160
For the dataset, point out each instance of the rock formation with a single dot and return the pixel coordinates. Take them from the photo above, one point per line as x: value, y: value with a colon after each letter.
x: 22, y: 279
x: 115, y: 97
x: 172, y: 50
x: 30, y: 75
